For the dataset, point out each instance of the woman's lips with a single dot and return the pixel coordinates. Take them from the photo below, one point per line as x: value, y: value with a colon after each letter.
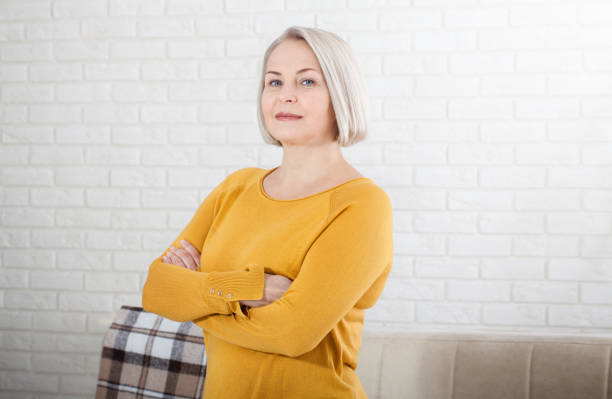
x: 288, y: 118
x: 282, y: 116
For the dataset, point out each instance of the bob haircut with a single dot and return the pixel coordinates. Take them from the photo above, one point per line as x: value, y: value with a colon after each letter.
x: 342, y: 76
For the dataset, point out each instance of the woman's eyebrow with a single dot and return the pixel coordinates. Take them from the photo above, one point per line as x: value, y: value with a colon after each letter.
x: 300, y: 71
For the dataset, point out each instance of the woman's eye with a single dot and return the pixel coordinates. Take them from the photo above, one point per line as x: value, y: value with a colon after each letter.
x: 271, y: 83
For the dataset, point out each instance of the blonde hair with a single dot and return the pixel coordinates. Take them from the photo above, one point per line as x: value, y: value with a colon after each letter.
x: 342, y: 76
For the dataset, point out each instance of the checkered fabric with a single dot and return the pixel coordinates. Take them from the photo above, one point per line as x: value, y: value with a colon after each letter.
x: 145, y: 355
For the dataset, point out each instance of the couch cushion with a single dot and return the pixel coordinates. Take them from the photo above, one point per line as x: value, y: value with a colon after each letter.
x: 443, y: 365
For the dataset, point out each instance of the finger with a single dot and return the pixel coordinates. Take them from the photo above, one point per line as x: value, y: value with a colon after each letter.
x: 176, y: 260
x: 192, y: 250
x: 186, y: 257
x: 167, y: 258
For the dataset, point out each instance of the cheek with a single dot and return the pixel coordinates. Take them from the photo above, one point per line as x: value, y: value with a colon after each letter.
x: 265, y: 104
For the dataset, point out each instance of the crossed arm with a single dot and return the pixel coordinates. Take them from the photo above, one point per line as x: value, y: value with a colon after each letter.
x: 184, y: 294
x: 351, y: 258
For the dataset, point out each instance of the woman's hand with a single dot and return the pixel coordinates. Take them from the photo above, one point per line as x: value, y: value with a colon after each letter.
x: 188, y: 257
x: 275, y: 286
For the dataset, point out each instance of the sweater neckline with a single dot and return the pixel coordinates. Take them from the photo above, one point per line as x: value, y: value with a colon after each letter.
x: 265, y: 195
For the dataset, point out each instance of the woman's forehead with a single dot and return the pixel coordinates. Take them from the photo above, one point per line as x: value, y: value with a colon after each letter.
x: 301, y: 70
x: 298, y: 50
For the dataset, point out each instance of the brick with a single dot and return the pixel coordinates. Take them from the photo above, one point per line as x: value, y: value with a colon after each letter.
x: 89, y: 302
x: 445, y: 268
x: 580, y: 316
x: 84, y: 260
x: 548, y: 199
x: 82, y: 176
x: 545, y: 292
x: 57, y: 197
x: 482, y: 154
x: 46, y: 29
x: 30, y: 52
x: 546, y: 245
x: 109, y: 155
x: 200, y: 48
x: 596, y: 293
x: 15, y: 9
x: 76, y: 9
x: 112, y: 239
x: 476, y: 17
x: 414, y: 18
x: 35, y: 300
x: 448, y: 312
x: 505, y: 223
x: 170, y: 199
x: 59, y: 280
x: 513, y: 269
x: 480, y: 108
x: 415, y: 244
x: 389, y: 310
x: 112, y: 71
x: 439, y: 40
x: 113, y: 282
x: 414, y: 289
x: 28, y: 94
x: 137, y: 135
x: 582, y: 223
x: 136, y: 7
x: 137, y: 49
x: 140, y: 219
x: 542, y: 15
x: 253, y: 6
x: 60, y: 362
x: 137, y: 177
x: 165, y: 27
x: 86, y: 218
x: 55, y: 72
x: 479, y: 245
x: 514, y: 314
x: 170, y: 70
x: 26, y: 380
x: 191, y: 7
x: 27, y: 217
x: 480, y: 291
x: 80, y: 50
x: 55, y: 114
x: 580, y: 269
x: 512, y: 176
x: 445, y: 222
x: 116, y: 198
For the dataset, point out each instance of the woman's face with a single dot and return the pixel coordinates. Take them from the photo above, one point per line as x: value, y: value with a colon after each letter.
x: 289, y: 88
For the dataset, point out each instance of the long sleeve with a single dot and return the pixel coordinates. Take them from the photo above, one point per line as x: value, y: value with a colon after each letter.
x: 353, y: 252
x: 181, y: 294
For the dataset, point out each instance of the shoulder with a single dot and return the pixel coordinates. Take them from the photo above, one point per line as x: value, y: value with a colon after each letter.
x: 243, y: 173
x: 241, y: 176
x: 365, y: 195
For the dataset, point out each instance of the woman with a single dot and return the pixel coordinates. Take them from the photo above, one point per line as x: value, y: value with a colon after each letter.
x: 279, y: 265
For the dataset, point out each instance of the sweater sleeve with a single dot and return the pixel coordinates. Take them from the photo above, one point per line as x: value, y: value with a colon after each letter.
x: 353, y: 252
x: 181, y: 294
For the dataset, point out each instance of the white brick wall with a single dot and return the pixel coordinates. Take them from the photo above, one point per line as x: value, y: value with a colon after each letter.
x: 491, y: 131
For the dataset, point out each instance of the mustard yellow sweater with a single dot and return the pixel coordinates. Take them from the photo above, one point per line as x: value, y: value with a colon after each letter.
x: 336, y: 245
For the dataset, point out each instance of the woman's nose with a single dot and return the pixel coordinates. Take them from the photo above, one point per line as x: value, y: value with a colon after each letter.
x: 287, y: 93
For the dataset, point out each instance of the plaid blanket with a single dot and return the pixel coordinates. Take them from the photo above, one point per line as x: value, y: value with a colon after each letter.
x: 145, y: 355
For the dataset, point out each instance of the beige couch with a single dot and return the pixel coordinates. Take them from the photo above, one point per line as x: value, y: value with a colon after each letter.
x: 440, y: 365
